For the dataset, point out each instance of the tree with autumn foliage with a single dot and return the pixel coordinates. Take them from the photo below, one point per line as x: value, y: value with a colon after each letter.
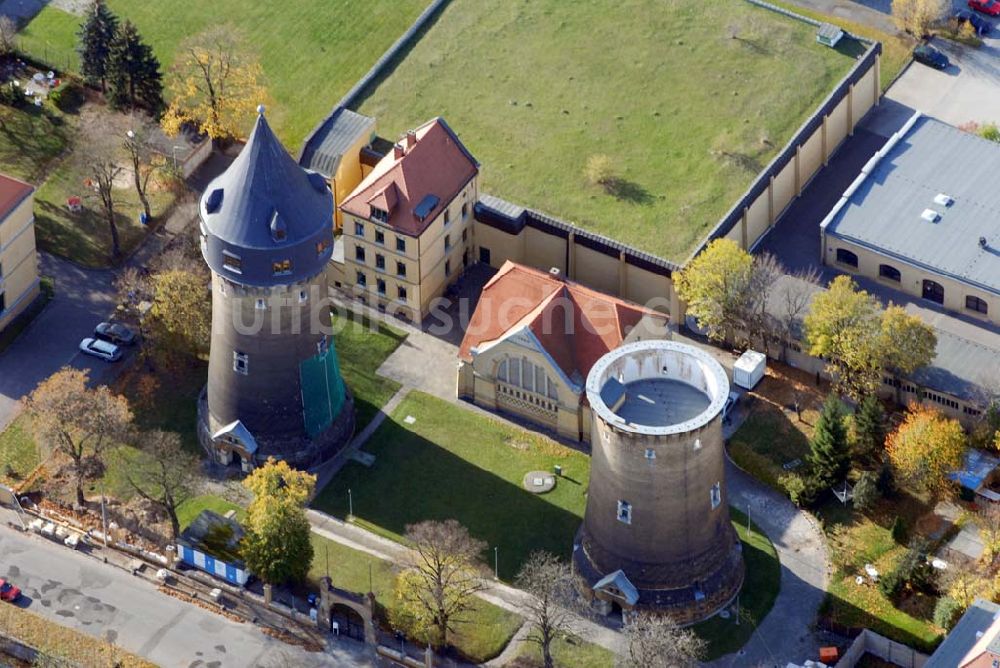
x: 859, y: 340
x: 180, y: 320
x: 925, y: 448
x: 78, y: 422
x: 276, y: 546
x: 714, y: 285
x: 216, y: 84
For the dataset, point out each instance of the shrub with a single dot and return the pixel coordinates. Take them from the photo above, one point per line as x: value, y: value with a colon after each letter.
x: 989, y: 131
x: 11, y: 96
x: 946, y: 612
x: 898, y: 530
x: 799, y: 488
x: 67, y: 96
x: 866, y: 491
x: 599, y: 170
x: 911, y: 570
x: 886, y: 481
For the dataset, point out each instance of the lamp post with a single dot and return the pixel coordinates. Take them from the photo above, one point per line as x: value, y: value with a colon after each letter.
x: 496, y: 561
x: 350, y: 505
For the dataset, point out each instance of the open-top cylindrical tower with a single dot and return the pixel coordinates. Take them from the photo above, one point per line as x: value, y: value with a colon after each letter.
x: 656, y: 534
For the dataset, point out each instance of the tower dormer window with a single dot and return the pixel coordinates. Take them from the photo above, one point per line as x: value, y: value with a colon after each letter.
x: 321, y: 247
x: 232, y: 262
x: 380, y: 215
x: 279, y: 231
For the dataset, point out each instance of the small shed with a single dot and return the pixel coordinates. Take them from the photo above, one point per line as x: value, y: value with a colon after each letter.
x: 749, y: 369
x: 977, y: 474
x: 829, y: 34
x: 211, y: 544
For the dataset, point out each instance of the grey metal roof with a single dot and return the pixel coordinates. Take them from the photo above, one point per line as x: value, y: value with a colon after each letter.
x: 335, y: 135
x: 977, y: 619
x: 829, y: 31
x: 264, y: 209
x: 883, y: 211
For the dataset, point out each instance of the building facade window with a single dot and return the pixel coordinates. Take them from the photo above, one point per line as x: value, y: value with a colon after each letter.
x: 976, y: 304
x: 359, y: 253
x: 380, y: 237
x: 890, y: 273
x: 845, y: 256
x: 933, y: 291
x: 380, y: 262
x: 359, y: 230
x: 380, y: 286
x: 241, y: 363
x: 401, y: 293
x: 281, y: 267
x: 380, y: 215
x: 447, y: 243
x: 401, y: 269
x: 465, y: 210
x: 400, y: 245
x: 625, y: 512
x: 716, y: 495
x: 447, y: 216
x: 362, y: 280
x: 465, y: 234
x: 447, y: 267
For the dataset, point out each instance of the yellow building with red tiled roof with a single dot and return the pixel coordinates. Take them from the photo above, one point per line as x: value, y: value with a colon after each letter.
x: 18, y: 260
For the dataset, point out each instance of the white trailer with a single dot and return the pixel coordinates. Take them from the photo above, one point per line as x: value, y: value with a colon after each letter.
x: 749, y: 369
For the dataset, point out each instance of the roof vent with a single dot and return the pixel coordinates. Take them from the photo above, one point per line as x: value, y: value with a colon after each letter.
x: 214, y: 201
x: 944, y: 200
x: 982, y: 242
x: 279, y: 231
x: 930, y: 215
x: 555, y: 273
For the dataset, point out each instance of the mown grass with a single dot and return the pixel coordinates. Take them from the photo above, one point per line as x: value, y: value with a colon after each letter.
x: 689, y: 100
x: 453, y: 463
x: 312, y: 51
x: 362, y: 345
x: 190, y: 509
x: 62, y: 643
x: 18, y: 453
x: 482, y: 635
x: 31, y: 138
x: 568, y: 652
x: 769, y: 439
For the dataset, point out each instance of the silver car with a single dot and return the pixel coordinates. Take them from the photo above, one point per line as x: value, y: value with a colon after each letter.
x: 105, y: 350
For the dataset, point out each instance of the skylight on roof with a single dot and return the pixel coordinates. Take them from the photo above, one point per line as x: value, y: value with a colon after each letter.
x: 930, y: 215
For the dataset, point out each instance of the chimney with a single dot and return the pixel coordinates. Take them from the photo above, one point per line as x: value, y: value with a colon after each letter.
x: 555, y: 273
x: 411, y: 139
x: 397, y: 151
x: 982, y: 242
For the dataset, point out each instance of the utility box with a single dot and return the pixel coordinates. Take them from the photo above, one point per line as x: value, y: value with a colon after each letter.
x: 749, y: 369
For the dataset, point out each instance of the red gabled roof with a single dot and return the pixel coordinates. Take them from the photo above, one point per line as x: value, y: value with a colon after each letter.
x: 12, y: 193
x: 434, y: 163
x: 574, y: 324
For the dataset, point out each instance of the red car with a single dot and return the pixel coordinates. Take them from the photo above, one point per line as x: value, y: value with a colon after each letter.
x: 9, y: 592
x: 990, y: 7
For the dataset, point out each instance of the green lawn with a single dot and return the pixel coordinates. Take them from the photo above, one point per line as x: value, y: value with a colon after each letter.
x: 769, y: 439
x: 688, y: 114
x: 18, y: 452
x: 30, y: 139
x: 454, y: 463
x: 760, y: 588
x: 190, y: 509
x: 312, y: 51
x: 362, y: 346
x: 486, y: 632
x: 571, y: 653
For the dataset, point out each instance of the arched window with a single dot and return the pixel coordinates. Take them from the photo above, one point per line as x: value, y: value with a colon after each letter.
x: 888, y: 272
x: 933, y: 291
x: 976, y: 304
x: 845, y: 256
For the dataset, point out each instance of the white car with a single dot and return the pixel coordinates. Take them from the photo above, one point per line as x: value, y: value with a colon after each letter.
x: 108, y: 352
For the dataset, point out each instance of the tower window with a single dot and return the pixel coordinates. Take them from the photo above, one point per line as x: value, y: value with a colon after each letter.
x: 625, y: 512
x: 281, y: 267
x: 322, y: 346
x: 303, y: 297
x: 232, y: 262
x: 241, y: 363
x: 716, y: 495
x: 261, y: 305
x: 650, y: 453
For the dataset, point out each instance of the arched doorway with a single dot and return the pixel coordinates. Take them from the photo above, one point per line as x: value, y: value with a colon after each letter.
x: 349, y: 622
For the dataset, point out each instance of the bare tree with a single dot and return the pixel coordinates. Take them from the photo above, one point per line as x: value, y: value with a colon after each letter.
x: 764, y: 275
x: 553, y: 608
x: 792, y: 299
x: 656, y: 641
x: 103, y: 161
x: 77, y: 421
x: 163, y: 474
x: 8, y: 36
x: 442, y: 576
x: 142, y: 158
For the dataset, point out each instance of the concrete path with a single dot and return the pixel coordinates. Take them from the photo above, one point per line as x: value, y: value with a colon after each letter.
x: 104, y: 601
x: 876, y: 14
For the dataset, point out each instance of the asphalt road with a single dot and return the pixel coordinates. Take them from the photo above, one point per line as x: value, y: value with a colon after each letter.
x: 82, y: 299
x: 104, y: 601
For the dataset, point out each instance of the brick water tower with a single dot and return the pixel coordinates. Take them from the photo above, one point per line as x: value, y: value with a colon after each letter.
x: 656, y: 534
x: 274, y: 384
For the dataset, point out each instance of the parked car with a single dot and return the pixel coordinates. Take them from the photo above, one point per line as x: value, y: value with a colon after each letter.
x: 928, y: 55
x: 115, y: 333
x: 978, y: 23
x: 990, y: 7
x: 8, y: 592
x: 105, y: 350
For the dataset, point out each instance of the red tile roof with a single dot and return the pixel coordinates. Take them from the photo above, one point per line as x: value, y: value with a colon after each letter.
x: 434, y: 162
x: 519, y: 296
x: 12, y: 192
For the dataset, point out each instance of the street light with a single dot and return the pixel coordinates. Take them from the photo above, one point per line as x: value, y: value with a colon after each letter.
x: 350, y: 505
x: 496, y: 561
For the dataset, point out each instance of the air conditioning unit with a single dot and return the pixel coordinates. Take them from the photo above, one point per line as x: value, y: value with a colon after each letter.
x: 930, y: 215
x: 944, y: 200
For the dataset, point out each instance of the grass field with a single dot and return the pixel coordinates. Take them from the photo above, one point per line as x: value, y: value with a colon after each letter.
x: 689, y: 100
x: 30, y: 139
x: 18, y: 452
x: 312, y: 51
x: 362, y: 346
x: 453, y: 463
x: 190, y: 509
x: 483, y: 636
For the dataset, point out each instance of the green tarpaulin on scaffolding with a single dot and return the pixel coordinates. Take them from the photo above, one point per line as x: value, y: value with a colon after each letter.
x: 322, y: 390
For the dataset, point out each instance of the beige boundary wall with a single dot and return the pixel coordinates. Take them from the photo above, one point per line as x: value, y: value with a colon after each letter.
x: 888, y: 650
